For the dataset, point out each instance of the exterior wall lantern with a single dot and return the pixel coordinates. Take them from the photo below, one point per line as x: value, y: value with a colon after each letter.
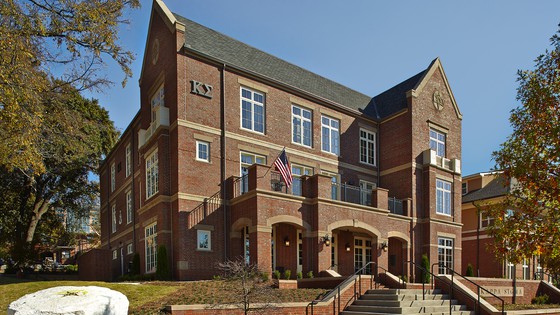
x: 384, y: 246
x: 326, y: 240
x: 287, y: 241
x: 347, y: 247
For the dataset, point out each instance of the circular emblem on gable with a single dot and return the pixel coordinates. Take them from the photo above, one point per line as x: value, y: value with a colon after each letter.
x: 155, y: 51
x: 438, y: 100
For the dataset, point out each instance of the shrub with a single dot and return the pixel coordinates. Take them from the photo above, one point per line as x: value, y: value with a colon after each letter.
x: 540, y: 299
x: 470, y: 271
x: 287, y: 274
x: 162, y: 267
x: 426, y: 265
x: 310, y: 275
x: 72, y: 268
x: 135, y: 264
x: 216, y: 277
x: 299, y: 275
x: 276, y: 274
x: 264, y: 276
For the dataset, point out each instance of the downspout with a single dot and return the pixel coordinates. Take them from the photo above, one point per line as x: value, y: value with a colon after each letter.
x: 132, y: 149
x: 477, y: 243
x: 223, y: 157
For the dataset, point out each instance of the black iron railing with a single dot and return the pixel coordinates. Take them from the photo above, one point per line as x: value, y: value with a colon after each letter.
x: 478, y: 288
x: 396, y: 206
x: 208, y: 206
x: 335, y: 293
x: 240, y: 185
x: 349, y: 193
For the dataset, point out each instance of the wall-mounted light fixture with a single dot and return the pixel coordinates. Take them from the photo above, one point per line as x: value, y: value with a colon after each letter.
x: 326, y: 240
x: 287, y: 241
x: 384, y: 246
x: 347, y: 247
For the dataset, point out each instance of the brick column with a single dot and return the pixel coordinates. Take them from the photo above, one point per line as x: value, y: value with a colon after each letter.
x: 380, y: 198
x: 323, y: 252
x: 259, y: 247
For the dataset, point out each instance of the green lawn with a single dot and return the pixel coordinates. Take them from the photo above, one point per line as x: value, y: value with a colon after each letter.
x: 149, y: 297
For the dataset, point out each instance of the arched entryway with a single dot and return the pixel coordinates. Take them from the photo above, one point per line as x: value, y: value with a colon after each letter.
x: 289, y: 245
x: 398, y: 246
x: 353, y: 245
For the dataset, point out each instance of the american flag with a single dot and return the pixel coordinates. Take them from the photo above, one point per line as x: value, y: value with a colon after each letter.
x: 283, y: 166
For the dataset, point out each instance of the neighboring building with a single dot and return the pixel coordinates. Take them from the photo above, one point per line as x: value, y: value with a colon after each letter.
x: 375, y: 179
x: 480, y: 191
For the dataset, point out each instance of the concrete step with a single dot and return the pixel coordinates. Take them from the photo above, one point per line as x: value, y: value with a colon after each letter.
x: 437, y: 313
x: 404, y: 297
x: 403, y: 303
x: 402, y: 291
x: 405, y: 310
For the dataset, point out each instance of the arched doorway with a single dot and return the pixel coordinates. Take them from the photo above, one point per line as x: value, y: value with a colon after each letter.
x: 398, y: 252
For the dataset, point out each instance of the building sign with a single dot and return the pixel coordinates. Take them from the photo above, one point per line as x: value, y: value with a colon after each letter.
x: 201, y: 89
x: 502, y: 291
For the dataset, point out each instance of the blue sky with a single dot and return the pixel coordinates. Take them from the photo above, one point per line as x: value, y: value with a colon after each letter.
x: 372, y: 45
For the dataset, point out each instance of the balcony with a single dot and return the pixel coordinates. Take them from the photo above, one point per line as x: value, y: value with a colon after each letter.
x: 161, y: 118
x: 431, y: 158
x: 317, y: 186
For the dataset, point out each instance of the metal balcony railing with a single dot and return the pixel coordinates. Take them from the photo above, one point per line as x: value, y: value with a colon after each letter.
x: 349, y: 193
x: 396, y: 206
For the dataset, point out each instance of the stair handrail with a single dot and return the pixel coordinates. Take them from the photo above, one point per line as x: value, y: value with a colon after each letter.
x: 336, y: 291
x: 479, y: 287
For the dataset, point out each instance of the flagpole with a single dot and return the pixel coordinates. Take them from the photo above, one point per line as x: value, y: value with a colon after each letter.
x: 284, y: 148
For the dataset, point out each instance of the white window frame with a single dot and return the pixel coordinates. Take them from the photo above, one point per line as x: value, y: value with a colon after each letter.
x: 485, y: 220
x: 113, y: 218
x: 120, y: 217
x: 113, y: 174
x: 150, y: 242
x: 254, y: 104
x: 152, y: 174
x: 510, y: 270
x: 446, y: 249
x: 335, y: 179
x: 444, y: 202
x: 157, y: 100
x: 199, y: 152
x: 114, y: 254
x: 526, y: 271
x: 332, y: 143
x: 246, y: 245
x: 299, y: 171
x: 243, y: 167
x: 128, y: 161
x: 436, y: 143
x: 129, y: 249
x: 464, y: 188
x: 300, y: 252
x: 201, y: 243
x: 334, y: 252
x: 366, y: 189
x: 367, y: 147
x: 128, y: 206
x: 298, y: 128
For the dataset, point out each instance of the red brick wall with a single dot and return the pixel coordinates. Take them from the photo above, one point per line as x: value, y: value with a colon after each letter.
x: 92, y: 265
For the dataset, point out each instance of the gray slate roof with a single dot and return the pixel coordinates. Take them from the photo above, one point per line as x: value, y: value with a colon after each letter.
x: 495, y: 188
x: 235, y: 53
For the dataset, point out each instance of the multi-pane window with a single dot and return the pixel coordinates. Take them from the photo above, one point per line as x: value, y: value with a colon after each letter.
x: 246, y: 245
x: 510, y: 270
x: 445, y: 254
x: 365, y: 192
x: 334, y: 184
x: 297, y: 172
x: 202, y: 151
x: 330, y: 129
x: 113, y: 219
x: 526, y: 270
x: 128, y: 207
x: 129, y: 249
x: 204, y: 241
x: 112, y: 177
x: 157, y: 101
x: 128, y: 161
x: 485, y: 220
x: 151, y: 247
x: 334, y: 254
x: 114, y: 254
x: 367, y: 147
x: 152, y: 179
x: 252, y: 110
x: 248, y: 159
x: 301, y: 126
x: 464, y: 188
x: 443, y: 197
x: 437, y: 142
x: 300, y: 251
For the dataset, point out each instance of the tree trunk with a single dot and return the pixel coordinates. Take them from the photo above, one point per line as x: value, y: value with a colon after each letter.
x: 40, y: 208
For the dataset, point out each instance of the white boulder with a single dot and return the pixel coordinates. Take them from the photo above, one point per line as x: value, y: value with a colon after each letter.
x: 71, y: 300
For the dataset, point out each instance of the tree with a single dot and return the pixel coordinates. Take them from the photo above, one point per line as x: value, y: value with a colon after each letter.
x: 75, y: 134
x: 162, y: 269
x: 45, y: 39
x: 528, y: 221
x: 250, y: 287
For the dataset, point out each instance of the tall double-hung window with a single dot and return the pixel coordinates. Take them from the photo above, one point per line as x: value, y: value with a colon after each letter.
x: 330, y: 135
x: 437, y: 142
x: 152, y: 179
x: 151, y: 247
x: 113, y: 177
x: 157, y: 101
x: 367, y: 147
x: 301, y: 126
x: 445, y: 254
x: 252, y: 110
x: 129, y: 206
x: 128, y: 162
x: 443, y: 197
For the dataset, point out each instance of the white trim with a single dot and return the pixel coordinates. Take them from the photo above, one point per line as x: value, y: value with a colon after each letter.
x: 152, y: 174
x: 254, y: 104
x: 197, y: 153
x: 206, y: 244
x: 445, y: 192
x: 368, y: 141
x: 330, y: 128
x: 301, y: 125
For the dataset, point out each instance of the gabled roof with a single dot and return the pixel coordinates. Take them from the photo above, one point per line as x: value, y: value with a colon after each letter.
x: 394, y: 99
x: 495, y: 188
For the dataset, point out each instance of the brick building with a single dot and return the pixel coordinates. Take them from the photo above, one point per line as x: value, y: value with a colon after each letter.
x: 375, y: 178
x: 480, y: 191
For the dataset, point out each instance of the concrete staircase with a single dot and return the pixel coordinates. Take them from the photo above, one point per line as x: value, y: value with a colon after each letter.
x: 404, y: 301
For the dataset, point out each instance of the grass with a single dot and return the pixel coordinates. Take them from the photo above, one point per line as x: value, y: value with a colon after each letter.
x: 150, y: 297
x: 519, y: 307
